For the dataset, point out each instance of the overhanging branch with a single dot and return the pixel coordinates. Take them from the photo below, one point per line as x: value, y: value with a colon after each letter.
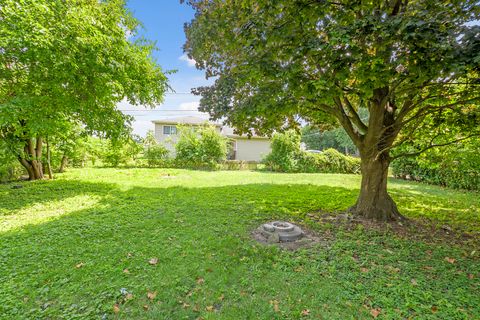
x: 433, y: 146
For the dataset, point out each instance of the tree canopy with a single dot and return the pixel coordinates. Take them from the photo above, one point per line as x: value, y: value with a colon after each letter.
x: 66, y: 61
x: 409, y: 63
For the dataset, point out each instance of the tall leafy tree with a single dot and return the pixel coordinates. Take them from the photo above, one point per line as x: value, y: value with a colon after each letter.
x: 406, y: 62
x: 64, y: 61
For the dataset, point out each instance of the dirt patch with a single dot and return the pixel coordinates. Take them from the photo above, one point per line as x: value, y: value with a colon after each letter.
x: 415, y: 229
x: 308, y: 239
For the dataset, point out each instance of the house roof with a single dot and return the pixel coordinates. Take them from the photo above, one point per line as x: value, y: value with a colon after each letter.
x: 189, y: 120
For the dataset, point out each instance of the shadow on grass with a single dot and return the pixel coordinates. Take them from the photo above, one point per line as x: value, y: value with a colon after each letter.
x: 74, y: 263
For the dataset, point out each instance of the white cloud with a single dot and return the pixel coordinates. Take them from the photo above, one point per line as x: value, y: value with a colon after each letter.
x: 190, y: 62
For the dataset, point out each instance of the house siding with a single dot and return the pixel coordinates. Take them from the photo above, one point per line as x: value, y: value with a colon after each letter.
x: 251, y: 149
x: 169, y: 140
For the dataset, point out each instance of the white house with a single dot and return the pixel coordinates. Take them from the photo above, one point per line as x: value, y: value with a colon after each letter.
x: 243, y: 147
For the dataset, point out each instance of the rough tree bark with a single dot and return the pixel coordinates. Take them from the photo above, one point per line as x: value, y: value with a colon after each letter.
x: 373, y: 142
x: 63, y: 164
x: 32, y: 158
x: 374, y: 202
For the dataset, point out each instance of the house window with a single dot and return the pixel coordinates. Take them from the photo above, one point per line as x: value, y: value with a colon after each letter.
x: 169, y: 130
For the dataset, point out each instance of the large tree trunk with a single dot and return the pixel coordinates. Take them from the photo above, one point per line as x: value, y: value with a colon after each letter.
x: 32, y: 159
x: 374, y: 202
x: 63, y: 164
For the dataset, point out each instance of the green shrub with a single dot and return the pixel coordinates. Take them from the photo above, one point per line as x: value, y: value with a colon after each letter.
x: 10, y: 168
x: 329, y: 161
x: 156, y: 155
x: 454, y: 167
x: 285, y: 152
x: 201, y: 148
x: 286, y: 156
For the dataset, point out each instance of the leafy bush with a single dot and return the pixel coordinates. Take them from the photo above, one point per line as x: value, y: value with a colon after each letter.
x: 285, y: 152
x: 121, y: 152
x: 156, y: 155
x: 329, y: 161
x: 10, y: 168
x: 286, y: 156
x: 201, y: 148
x: 455, y: 167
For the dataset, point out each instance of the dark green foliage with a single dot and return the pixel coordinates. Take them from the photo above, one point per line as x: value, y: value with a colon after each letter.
x: 287, y: 156
x: 454, y: 166
x: 202, y: 147
x: 329, y: 161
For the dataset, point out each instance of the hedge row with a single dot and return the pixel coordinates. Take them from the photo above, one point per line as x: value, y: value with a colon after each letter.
x: 459, y: 172
x: 287, y: 156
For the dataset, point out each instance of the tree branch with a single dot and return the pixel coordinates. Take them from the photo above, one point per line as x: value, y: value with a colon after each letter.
x: 346, y: 122
x: 433, y: 146
x: 353, y: 115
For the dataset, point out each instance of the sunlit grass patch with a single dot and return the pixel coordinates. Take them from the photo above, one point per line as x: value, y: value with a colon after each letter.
x: 81, y: 246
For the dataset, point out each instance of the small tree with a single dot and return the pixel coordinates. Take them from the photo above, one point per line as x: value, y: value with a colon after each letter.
x: 203, y: 147
x: 70, y: 61
x: 285, y: 151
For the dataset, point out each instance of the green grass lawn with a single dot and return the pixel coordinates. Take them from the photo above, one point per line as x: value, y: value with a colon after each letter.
x: 69, y: 246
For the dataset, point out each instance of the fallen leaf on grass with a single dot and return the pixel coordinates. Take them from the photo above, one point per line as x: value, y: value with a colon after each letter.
x: 200, y: 280
x: 471, y: 276
x: 414, y: 282
x: 145, y: 307
x: 129, y: 296
x: 450, y: 260
x: 79, y: 265
x: 116, y: 308
x: 434, y: 309
x: 221, y: 297
x: 363, y: 269
x: 209, y: 308
x: 185, y: 305
x: 126, y: 271
x: 305, y: 312
x: 153, y: 261
x: 151, y: 295
x: 375, y: 312
x: 276, y: 308
x: 196, y: 308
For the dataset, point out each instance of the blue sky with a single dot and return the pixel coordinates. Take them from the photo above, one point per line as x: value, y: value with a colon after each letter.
x: 163, y: 22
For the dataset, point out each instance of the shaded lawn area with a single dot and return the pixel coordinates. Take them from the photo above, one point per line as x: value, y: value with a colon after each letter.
x: 69, y: 246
